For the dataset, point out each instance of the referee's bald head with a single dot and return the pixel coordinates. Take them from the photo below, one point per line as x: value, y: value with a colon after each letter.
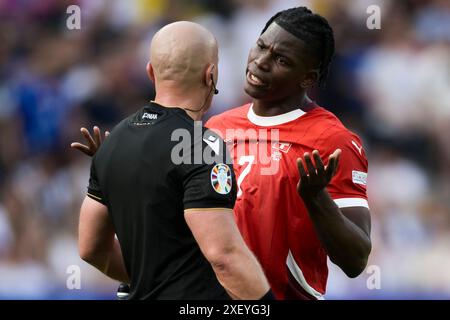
x: 181, y: 53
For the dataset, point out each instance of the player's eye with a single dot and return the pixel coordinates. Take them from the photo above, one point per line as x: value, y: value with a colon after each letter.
x: 260, y: 45
x: 282, y: 61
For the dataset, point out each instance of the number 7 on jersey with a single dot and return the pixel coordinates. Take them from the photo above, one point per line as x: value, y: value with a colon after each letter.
x: 244, y: 160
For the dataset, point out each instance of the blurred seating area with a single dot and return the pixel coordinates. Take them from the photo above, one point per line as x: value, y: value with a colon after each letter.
x: 391, y: 86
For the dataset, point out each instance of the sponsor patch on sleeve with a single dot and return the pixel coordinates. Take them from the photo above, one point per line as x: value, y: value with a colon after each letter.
x: 359, y: 177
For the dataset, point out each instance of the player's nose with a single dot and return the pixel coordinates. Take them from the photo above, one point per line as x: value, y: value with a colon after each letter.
x: 262, y: 61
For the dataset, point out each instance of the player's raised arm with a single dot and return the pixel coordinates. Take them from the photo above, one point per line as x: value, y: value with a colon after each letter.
x: 344, y: 232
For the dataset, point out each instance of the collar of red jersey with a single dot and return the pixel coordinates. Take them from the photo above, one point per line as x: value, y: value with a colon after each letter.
x: 275, y: 120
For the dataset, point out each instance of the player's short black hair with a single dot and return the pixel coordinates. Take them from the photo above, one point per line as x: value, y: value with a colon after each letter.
x: 311, y: 28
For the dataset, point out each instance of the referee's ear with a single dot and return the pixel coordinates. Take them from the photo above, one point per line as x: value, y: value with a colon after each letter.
x: 210, y: 74
x: 150, y: 72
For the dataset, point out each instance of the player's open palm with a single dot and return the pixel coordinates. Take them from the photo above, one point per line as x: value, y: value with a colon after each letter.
x: 314, y: 175
x: 93, y: 143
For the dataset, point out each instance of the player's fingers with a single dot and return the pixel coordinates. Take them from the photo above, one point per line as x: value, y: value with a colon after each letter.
x: 97, y: 136
x: 330, y: 167
x: 336, y: 164
x: 88, y: 137
x: 301, y: 169
x: 83, y: 148
x: 319, y: 164
x: 309, y: 164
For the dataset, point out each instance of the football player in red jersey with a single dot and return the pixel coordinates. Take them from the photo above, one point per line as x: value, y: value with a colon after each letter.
x: 309, y: 207
x: 312, y: 203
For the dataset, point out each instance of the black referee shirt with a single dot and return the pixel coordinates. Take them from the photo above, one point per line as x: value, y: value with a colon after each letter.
x: 147, y: 181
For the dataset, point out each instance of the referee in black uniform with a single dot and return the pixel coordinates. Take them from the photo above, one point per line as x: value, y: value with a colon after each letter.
x: 151, y: 184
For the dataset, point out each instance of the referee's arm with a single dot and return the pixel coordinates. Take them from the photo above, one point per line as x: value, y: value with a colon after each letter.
x: 97, y: 244
x: 219, y: 239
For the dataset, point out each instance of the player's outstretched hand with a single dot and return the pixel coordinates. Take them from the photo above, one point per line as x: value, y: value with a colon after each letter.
x: 93, y: 143
x: 315, y: 176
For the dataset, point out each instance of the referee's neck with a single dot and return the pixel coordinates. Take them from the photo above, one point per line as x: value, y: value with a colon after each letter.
x: 194, y: 104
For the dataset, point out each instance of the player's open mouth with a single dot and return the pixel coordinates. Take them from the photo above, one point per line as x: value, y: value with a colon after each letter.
x: 254, y: 80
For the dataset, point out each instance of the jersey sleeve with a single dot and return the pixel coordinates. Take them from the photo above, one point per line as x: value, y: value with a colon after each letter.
x: 94, y: 190
x: 211, y: 183
x: 348, y: 187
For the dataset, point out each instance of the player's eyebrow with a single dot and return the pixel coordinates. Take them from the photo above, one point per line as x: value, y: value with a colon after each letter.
x: 284, y: 49
x: 260, y: 41
x: 281, y: 49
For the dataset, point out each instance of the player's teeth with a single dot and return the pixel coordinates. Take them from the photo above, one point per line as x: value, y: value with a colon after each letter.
x: 254, y: 78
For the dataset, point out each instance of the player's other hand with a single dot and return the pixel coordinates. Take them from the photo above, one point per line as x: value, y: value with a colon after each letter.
x: 93, y: 143
x: 314, y: 175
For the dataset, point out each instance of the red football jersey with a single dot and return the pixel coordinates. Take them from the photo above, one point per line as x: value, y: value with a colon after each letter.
x: 269, y: 212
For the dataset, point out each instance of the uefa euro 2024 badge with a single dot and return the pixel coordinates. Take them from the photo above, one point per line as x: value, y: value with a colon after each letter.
x: 221, y: 178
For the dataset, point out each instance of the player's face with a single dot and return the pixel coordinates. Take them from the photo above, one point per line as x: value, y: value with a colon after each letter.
x: 277, y: 65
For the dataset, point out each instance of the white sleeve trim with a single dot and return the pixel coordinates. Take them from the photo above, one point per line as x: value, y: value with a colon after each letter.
x: 297, y: 273
x: 351, y: 202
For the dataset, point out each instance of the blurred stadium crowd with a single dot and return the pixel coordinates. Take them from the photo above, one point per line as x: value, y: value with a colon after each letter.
x: 392, y: 86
